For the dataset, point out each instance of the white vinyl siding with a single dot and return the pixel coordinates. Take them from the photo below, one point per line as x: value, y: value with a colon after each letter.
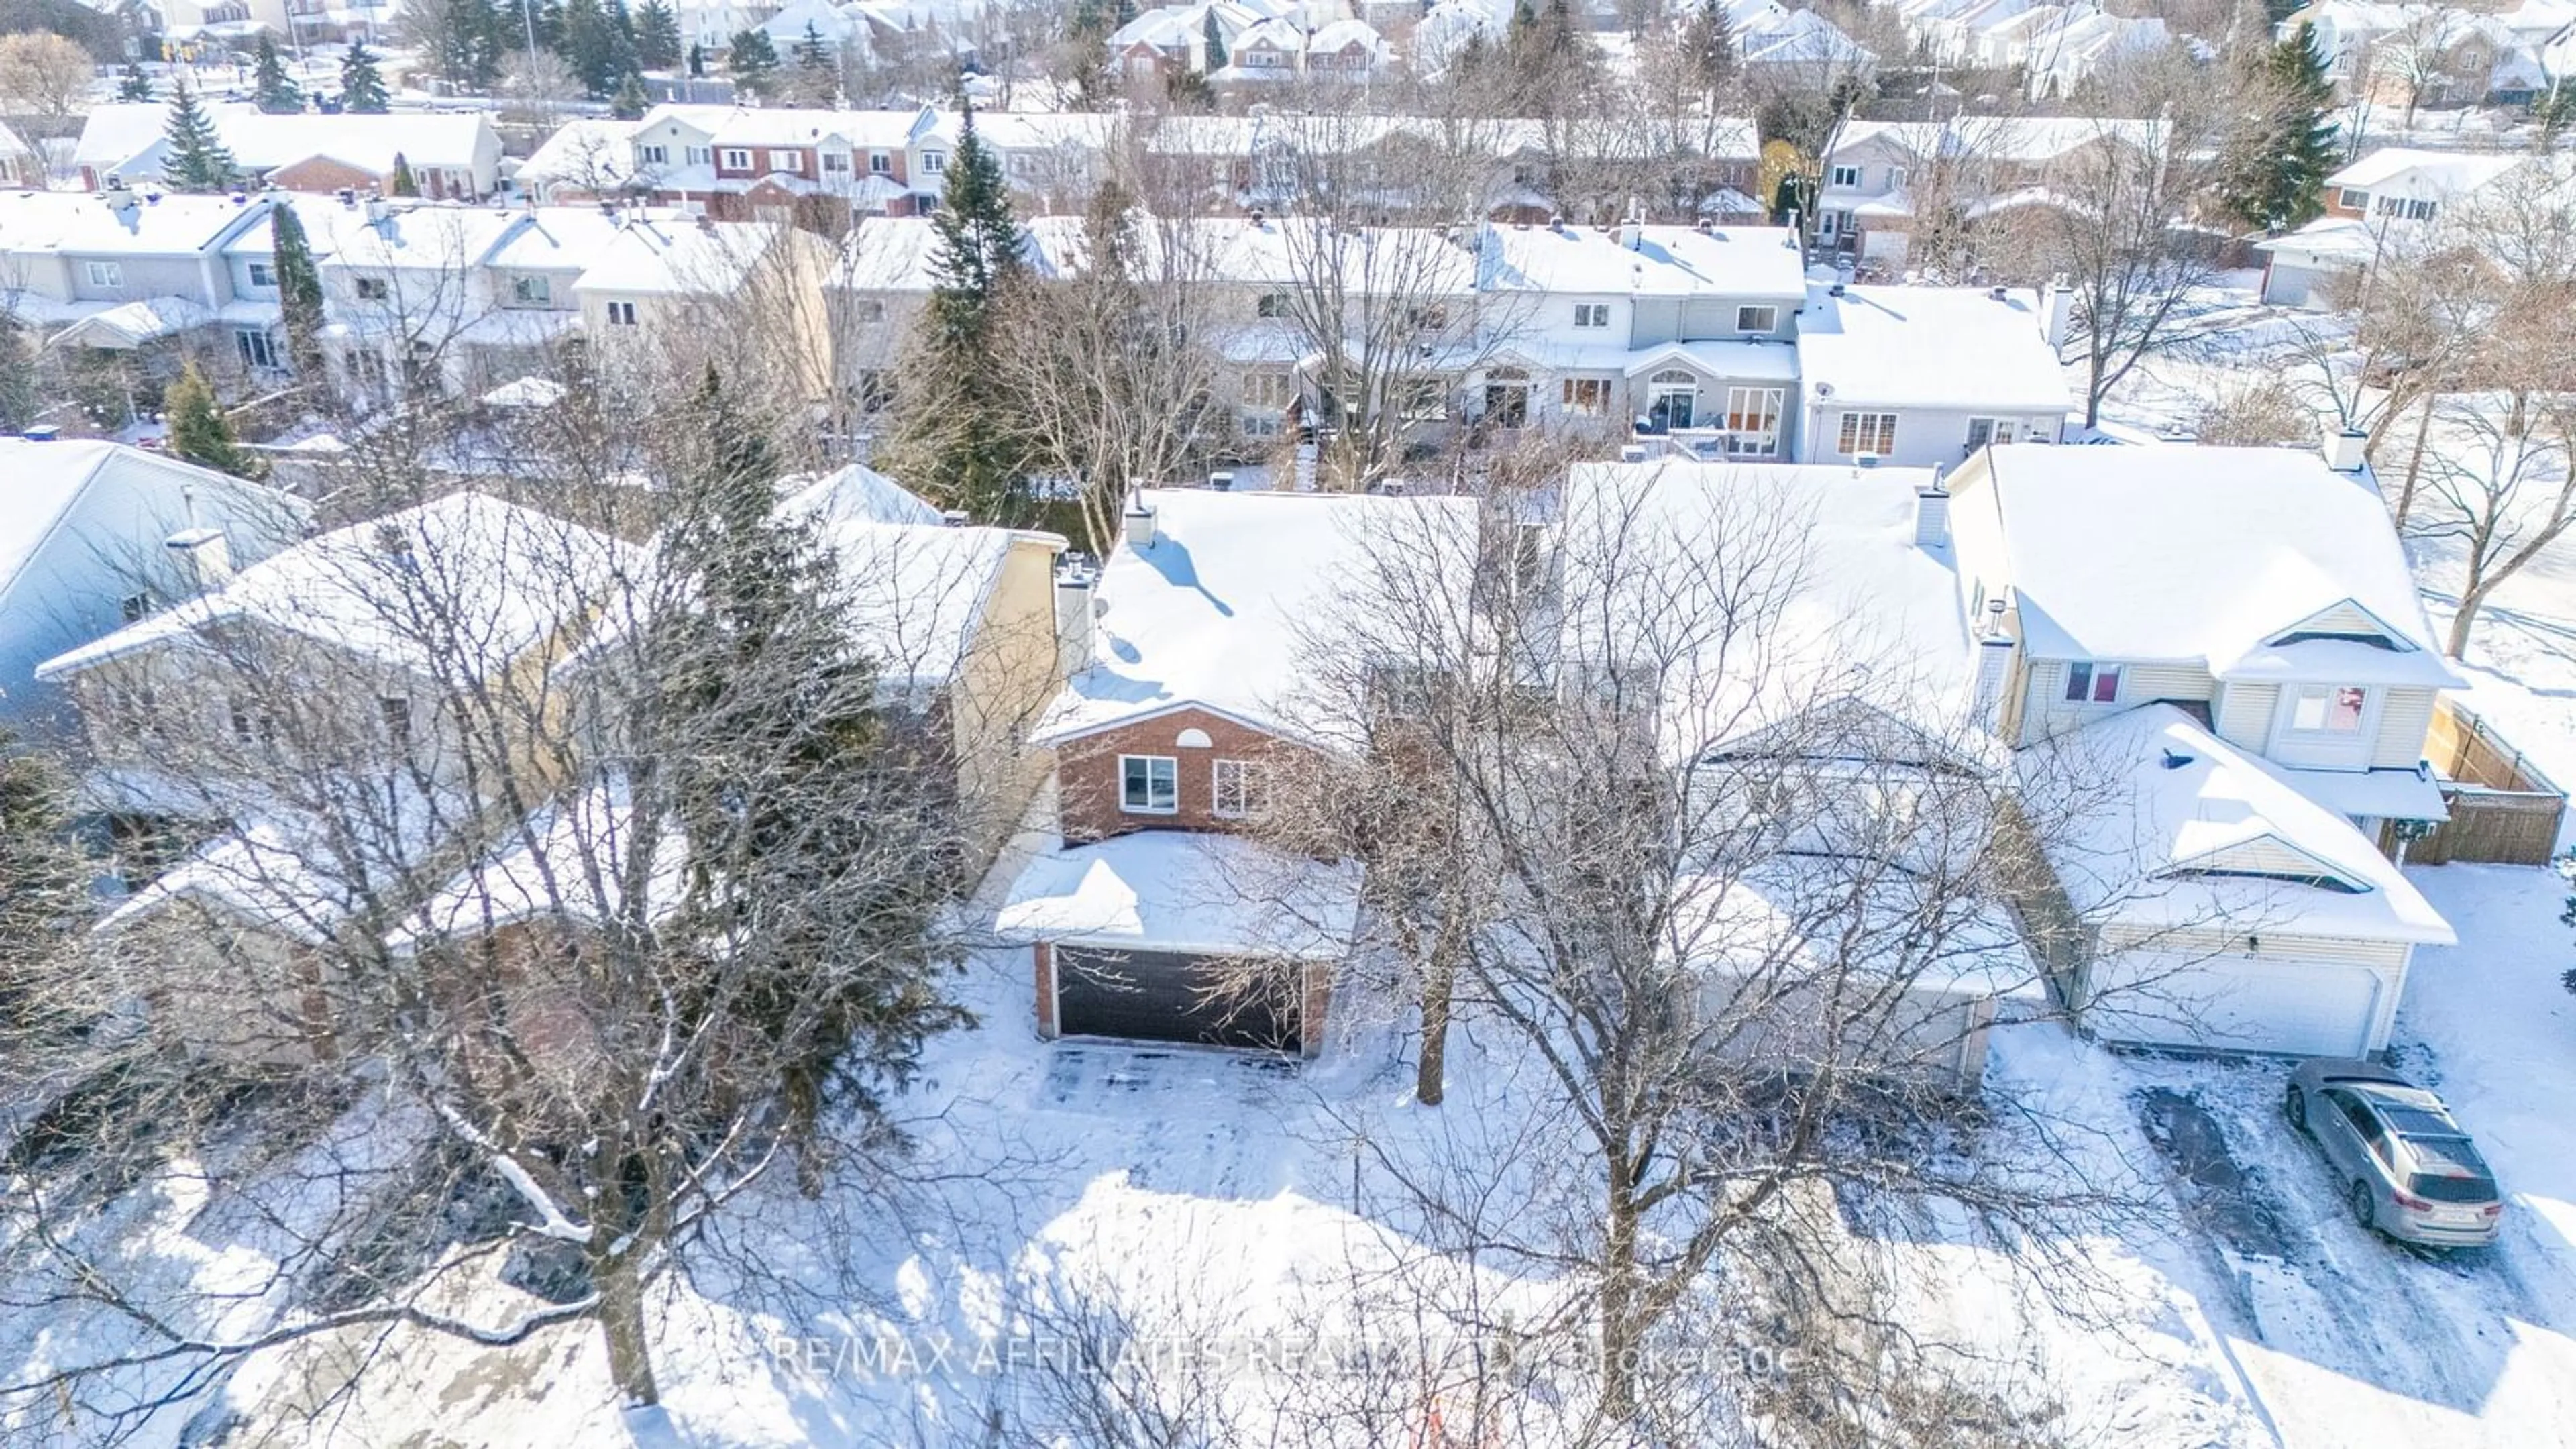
x: 2344, y: 618
x: 2264, y: 856
x: 2243, y: 713
x: 2047, y: 711
x: 2343, y: 950
x: 2403, y: 722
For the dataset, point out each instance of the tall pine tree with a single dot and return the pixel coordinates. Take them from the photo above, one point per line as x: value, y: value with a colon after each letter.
x: 362, y: 87
x: 196, y: 160
x: 2274, y: 170
x: 753, y: 62
x: 199, y: 431
x: 271, y: 87
x: 299, y: 290
x: 590, y: 47
x: 959, y: 428
x: 657, y: 36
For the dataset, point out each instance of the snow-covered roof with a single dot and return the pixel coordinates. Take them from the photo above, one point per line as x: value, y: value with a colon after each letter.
x: 146, y: 223
x: 2025, y: 140
x: 589, y: 152
x: 1799, y: 920
x: 48, y: 481
x: 463, y: 585
x: 569, y: 861
x: 292, y: 872
x: 1666, y: 262
x: 1174, y: 890
x: 2177, y: 828
x: 1941, y: 347
x: 856, y: 493
x: 2426, y: 173
x: 1213, y: 613
x: 125, y: 138
x: 2194, y: 554
x: 667, y: 258
x: 1853, y: 610
x: 131, y: 324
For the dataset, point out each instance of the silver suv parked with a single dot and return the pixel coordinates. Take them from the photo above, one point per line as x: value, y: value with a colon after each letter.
x: 2408, y: 1170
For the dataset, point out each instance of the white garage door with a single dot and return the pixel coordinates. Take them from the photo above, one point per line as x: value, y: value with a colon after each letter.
x: 2235, y: 1003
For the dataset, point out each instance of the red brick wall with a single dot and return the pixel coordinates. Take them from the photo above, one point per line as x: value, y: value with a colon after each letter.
x: 1046, y: 989
x: 1088, y: 780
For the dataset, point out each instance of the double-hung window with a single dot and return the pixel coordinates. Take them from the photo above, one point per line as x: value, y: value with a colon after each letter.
x: 621, y: 314
x: 653, y: 155
x: 2090, y: 682
x: 1843, y: 176
x: 786, y: 160
x: 933, y: 162
x: 1867, y: 433
x: 1591, y: 314
x: 1149, y: 784
x: 737, y: 158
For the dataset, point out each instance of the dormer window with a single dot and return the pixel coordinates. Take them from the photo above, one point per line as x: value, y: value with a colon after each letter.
x: 2328, y: 709
x: 2088, y: 682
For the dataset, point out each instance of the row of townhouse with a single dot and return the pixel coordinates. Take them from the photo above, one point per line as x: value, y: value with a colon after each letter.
x: 2219, y: 650
x: 1249, y: 42
x: 1709, y: 341
x: 2057, y: 48
x: 2409, y: 55
x: 822, y: 168
x: 452, y: 155
x: 2211, y: 661
x: 466, y: 297
x: 1883, y: 179
x: 2391, y: 202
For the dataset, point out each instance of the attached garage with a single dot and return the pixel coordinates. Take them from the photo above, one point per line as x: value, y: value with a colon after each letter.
x: 1195, y: 937
x: 1175, y: 996
x: 2214, y: 904
x: 2299, y: 1007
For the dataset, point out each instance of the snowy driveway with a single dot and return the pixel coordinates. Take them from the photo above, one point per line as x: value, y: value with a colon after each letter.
x: 2348, y: 1339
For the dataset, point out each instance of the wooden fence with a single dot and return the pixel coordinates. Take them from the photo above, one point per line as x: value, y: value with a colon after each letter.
x: 2503, y: 809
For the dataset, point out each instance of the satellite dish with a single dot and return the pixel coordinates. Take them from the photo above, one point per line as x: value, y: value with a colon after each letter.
x: 1824, y: 389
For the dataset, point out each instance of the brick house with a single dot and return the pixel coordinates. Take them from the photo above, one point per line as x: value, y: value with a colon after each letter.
x: 1160, y: 912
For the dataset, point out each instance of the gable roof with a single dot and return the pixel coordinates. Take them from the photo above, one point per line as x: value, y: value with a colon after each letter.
x: 2219, y: 553
x: 1667, y: 262
x: 568, y: 861
x: 1213, y: 612
x: 78, y: 223
x: 48, y: 481
x: 464, y: 584
x: 1854, y: 617
x: 1959, y: 347
x: 2162, y: 799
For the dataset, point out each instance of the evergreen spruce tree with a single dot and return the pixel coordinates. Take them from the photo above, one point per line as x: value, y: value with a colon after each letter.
x: 2274, y: 170
x: 400, y: 181
x: 590, y: 47
x: 1217, y: 57
x: 271, y: 88
x: 753, y: 62
x: 779, y: 792
x: 818, y: 69
x: 657, y: 36
x: 196, y: 160
x: 958, y: 424
x: 199, y: 431
x: 630, y: 102
x: 362, y: 88
x: 697, y: 61
x: 812, y: 51
x: 1708, y: 44
x: 132, y: 84
x: 299, y: 290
